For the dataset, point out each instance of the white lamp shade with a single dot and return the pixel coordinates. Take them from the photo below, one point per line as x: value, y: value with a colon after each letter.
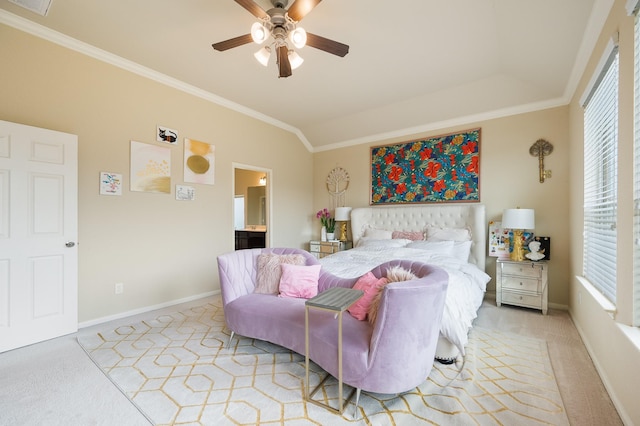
x: 343, y: 214
x: 298, y: 37
x: 262, y: 55
x: 518, y: 219
x: 295, y: 60
x: 259, y: 33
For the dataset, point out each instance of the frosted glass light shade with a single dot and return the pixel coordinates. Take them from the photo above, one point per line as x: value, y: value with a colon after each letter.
x: 298, y: 37
x: 295, y: 60
x: 343, y: 214
x: 259, y: 33
x: 263, y: 55
x: 518, y: 219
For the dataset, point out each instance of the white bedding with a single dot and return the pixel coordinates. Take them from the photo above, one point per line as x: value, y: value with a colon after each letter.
x: 467, y: 283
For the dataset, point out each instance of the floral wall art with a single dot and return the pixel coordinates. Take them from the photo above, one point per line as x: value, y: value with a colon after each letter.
x: 438, y: 169
x: 150, y: 168
x: 199, y: 162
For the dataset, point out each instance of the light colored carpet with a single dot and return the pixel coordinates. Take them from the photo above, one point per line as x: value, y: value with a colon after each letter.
x: 176, y: 370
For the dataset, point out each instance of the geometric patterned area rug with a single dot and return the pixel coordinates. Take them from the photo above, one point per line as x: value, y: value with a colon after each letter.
x: 177, y: 370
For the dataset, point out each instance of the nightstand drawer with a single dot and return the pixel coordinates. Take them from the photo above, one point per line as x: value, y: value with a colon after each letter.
x: 520, y: 299
x: 522, y: 270
x: 521, y: 284
x: 329, y: 248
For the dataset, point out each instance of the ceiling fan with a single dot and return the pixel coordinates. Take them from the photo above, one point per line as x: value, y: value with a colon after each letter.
x: 280, y: 24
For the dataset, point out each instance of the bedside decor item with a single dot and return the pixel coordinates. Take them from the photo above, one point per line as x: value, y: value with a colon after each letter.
x: 518, y: 220
x: 437, y: 169
x: 343, y: 216
x: 540, y: 149
x: 328, y: 223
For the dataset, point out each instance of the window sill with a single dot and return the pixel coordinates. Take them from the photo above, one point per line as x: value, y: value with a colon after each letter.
x: 605, y: 303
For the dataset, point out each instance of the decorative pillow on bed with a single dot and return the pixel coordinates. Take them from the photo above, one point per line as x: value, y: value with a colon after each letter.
x: 370, y: 284
x: 394, y: 274
x: 299, y: 281
x: 408, y: 235
x: 443, y: 234
x: 377, y: 234
x: 270, y: 271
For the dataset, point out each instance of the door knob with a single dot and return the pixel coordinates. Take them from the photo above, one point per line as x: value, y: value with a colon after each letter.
x: 70, y: 244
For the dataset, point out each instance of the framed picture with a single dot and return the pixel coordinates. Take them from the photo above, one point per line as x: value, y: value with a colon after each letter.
x: 110, y: 183
x: 150, y: 168
x: 199, y: 162
x: 438, y: 169
x: 167, y: 135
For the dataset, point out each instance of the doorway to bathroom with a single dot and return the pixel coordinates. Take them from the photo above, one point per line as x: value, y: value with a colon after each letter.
x: 251, y: 206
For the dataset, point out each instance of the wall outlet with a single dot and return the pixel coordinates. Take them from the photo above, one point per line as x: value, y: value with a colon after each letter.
x: 119, y: 288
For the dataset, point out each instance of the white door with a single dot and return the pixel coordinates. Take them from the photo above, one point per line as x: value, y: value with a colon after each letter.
x: 38, y: 234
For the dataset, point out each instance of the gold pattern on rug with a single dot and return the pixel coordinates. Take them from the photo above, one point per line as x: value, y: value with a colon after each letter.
x: 176, y: 369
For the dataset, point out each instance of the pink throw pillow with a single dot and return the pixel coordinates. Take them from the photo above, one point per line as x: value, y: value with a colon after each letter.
x: 299, y: 281
x: 408, y: 235
x: 370, y: 284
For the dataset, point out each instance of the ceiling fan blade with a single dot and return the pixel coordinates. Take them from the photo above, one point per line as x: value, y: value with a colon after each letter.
x: 300, y: 8
x: 284, y: 66
x: 253, y: 8
x: 329, y: 46
x: 232, y: 42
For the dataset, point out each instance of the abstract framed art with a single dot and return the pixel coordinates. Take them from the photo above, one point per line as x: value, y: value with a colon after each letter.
x: 438, y: 169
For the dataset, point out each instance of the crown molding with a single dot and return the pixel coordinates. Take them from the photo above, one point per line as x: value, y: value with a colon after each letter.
x: 63, y: 40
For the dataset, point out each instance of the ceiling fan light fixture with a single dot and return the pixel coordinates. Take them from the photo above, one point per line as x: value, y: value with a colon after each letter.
x: 298, y: 37
x: 295, y: 60
x: 263, y: 55
x: 259, y: 33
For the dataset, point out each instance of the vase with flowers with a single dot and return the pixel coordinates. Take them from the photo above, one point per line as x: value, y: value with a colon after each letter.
x: 328, y: 224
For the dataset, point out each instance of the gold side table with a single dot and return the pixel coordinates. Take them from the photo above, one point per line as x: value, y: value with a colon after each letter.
x: 337, y: 300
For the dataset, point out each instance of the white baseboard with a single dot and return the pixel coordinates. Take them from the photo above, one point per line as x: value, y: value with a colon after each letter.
x: 602, y: 373
x: 145, y: 309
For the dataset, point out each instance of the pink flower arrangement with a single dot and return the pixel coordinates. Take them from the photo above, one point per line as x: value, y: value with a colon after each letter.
x: 326, y: 220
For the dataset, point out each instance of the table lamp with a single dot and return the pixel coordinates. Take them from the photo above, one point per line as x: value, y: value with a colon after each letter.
x: 518, y: 220
x: 343, y: 215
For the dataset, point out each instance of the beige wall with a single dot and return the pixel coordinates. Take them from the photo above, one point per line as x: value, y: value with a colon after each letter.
x: 160, y: 248
x: 508, y: 178
x: 613, y: 352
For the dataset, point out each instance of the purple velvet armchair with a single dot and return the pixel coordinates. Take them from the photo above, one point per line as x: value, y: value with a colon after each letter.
x: 392, y: 356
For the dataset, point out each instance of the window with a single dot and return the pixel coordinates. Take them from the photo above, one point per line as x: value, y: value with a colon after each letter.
x: 636, y: 166
x: 601, y: 175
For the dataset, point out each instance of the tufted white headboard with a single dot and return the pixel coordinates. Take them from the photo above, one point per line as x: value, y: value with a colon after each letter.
x: 417, y: 218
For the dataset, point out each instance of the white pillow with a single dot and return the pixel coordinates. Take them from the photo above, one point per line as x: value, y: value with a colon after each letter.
x: 435, y: 247
x: 442, y: 234
x: 378, y: 234
x: 377, y: 244
x: 461, y: 250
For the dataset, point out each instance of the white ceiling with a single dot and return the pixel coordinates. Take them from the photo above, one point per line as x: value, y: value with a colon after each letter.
x: 412, y: 66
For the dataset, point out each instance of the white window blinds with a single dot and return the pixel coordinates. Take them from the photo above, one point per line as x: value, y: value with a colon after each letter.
x: 636, y: 177
x: 600, y: 177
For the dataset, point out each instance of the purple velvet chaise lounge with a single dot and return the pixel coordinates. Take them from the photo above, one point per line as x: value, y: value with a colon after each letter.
x: 392, y: 356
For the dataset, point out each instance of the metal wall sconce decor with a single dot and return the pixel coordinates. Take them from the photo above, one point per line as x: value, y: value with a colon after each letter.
x: 540, y: 149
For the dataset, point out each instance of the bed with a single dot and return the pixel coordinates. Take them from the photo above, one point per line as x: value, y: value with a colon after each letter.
x: 451, y: 236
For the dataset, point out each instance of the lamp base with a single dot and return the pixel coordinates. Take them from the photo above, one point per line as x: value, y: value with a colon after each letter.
x: 343, y: 231
x: 517, y: 254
